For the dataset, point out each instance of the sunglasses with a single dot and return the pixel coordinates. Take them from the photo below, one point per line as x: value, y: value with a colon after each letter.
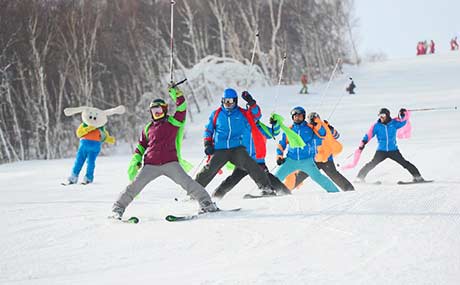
x: 228, y: 100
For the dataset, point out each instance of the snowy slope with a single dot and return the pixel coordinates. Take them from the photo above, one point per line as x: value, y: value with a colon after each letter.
x: 386, y: 234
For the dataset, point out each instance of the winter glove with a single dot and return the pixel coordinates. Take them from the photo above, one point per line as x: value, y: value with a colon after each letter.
x: 132, y: 170
x: 248, y: 98
x: 174, y: 93
x: 280, y: 160
x: 110, y: 140
x: 273, y: 121
x: 361, y: 146
x: 402, y: 113
x: 208, y: 148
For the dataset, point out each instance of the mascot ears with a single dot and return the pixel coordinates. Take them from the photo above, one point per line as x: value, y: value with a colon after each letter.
x: 117, y: 110
x: 73, y: 111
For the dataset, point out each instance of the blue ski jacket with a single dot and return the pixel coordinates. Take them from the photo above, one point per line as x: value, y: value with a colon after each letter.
x: 226, y: 128
x: 386, y: 134
x: 308, y: 136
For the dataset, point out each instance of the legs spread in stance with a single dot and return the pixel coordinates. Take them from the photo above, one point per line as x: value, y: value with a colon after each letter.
x: 146, y: 174
x: 393, y: 155
x: 379, y: 156
x: 209, y: 171
x: 329, y: 168
x: 229, y: 182
x: 241, y: 159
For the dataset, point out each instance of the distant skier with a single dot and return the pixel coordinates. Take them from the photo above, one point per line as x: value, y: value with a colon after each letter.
x: 223, y: 138
x: 454, y: 44
x: 158, y: 148
x: 351, y: 87
x: 329, y: 166
x: 301, y: 158
x: 432, y: 47
x: 385, y: 130
x: 304, y: 81
x: 248, y: 140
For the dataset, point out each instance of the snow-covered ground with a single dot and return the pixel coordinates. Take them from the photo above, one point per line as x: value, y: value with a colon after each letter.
x: 379, y: 234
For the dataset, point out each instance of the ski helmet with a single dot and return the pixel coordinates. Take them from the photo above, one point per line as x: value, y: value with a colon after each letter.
x: 228, y: 96
x: 298, y: 110
x: 312, y: 116
x: 159, y: 103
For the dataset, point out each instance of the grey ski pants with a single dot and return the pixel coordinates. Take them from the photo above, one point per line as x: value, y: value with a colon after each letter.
x: 148, y: 173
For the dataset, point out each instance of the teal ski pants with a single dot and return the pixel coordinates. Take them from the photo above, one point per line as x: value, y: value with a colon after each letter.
x: 308, y: 166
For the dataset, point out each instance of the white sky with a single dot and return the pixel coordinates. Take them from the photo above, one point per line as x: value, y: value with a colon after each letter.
x: 395, y: 26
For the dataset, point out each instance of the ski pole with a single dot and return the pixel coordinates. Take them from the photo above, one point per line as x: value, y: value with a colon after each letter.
x: 279, y: 84
x: 199, y: 165
x: 323, y: 94
x: 171, y: 43
x: 178, y: 83
x: 433, y: 109
x: 252, y: 58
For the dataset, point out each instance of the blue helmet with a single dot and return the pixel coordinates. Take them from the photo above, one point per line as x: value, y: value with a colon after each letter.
x: 298, y: 110
x: 230, y: 93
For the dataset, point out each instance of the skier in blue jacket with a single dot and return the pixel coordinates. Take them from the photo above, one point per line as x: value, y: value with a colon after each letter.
x: 385, y: 130
x: 301, y: 158
x: 248, y: 141
x: 223, y: 140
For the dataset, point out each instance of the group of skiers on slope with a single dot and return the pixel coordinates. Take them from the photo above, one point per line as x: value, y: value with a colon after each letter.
x: 234, y: 134
x: 423, y: 47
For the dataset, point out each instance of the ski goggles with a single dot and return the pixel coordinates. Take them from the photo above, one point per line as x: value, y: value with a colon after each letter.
x: 382, y: 115
x: 296, y: 112
x: 228, y: 101
x: 156, y: 109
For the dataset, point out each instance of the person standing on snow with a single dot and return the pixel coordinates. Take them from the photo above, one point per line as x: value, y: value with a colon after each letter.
x: 301, y: 158
x: 385, y: 130
x: 304, y: 81
x: 157, y: 146
x: 329, y: 166
x: 223, y: 140
x: 351, y: 87
x: 248, y: 141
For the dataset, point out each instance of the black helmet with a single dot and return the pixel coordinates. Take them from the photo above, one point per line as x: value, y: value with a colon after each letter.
x: 384, y: 111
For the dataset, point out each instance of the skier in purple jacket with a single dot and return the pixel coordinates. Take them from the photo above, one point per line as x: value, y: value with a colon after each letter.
x: 157, y: 147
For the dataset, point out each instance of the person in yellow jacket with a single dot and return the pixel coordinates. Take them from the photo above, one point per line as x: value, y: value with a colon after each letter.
x: 92, y: 134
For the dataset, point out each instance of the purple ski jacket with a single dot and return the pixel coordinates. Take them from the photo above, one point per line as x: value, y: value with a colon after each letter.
x: 158, y: 140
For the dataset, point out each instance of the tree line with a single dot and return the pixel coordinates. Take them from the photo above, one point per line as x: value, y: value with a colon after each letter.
x: 60, y: 53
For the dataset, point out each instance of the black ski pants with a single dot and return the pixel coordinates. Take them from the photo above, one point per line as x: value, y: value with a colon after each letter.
x: 241, y: 159
x: 380, y: 156
x: 329, y: 168
x: 230, y: 182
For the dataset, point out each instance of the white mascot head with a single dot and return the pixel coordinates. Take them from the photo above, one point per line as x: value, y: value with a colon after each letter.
x: 94, y: 116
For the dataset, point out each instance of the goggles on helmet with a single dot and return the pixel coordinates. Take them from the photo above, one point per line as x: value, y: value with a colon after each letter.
x: 228, y: 100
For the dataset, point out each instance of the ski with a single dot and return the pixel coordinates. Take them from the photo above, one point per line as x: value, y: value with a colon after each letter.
x: 174, y: 218
x: 132, y: 220
x: 250, y: 196
x: 414, y: 182
x: 67, y: 183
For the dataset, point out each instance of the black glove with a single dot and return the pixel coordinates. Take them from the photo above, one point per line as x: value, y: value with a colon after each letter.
x: 248, y: 98
x: 273, y: 121
x: 362, y: 145
x: 402, y: 113
x: 280, y: 160
x: 208, y: 148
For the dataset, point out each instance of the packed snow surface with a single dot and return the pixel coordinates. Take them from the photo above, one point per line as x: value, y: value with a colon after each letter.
x: 378, y: 234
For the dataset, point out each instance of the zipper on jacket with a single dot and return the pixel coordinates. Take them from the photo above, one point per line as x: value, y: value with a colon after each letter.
x: 229, y: 132
x: 386, y: 132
